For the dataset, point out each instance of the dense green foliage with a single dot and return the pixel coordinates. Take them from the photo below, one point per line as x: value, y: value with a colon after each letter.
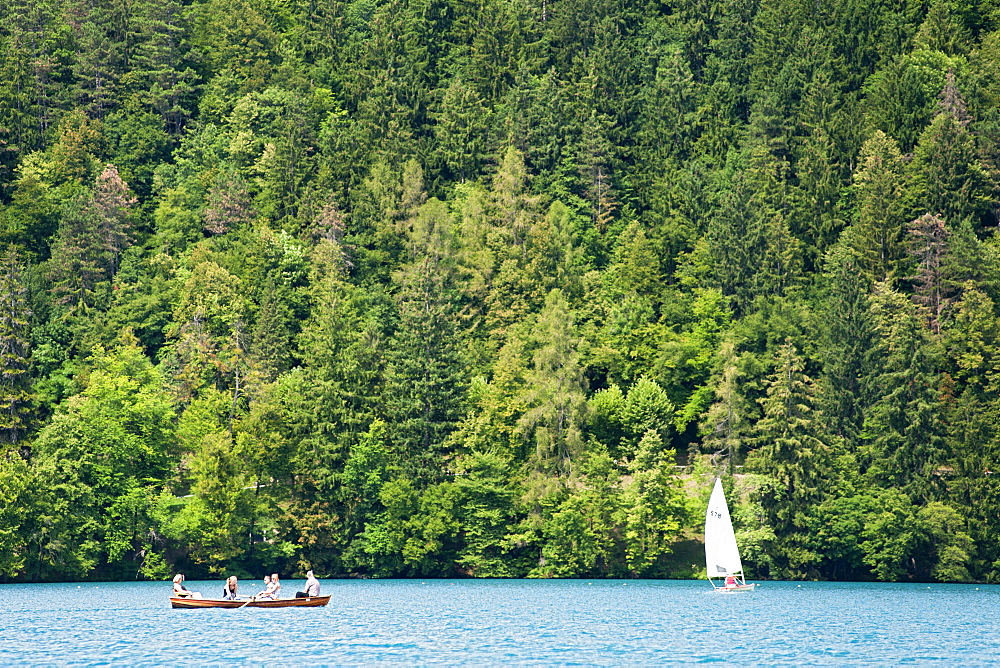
x: 439, y: 287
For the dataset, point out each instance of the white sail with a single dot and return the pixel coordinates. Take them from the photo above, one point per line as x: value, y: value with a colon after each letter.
x: 722, y: 556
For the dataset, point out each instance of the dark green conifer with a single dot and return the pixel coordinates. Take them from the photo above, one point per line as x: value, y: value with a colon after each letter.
x: 15, y: 395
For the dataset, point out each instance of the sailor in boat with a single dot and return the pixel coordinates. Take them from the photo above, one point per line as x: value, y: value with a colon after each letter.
x: 312, y: 587
x: 180, y: 591
x: 731, y: 581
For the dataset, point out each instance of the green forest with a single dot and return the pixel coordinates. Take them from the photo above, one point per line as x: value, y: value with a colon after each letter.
x: 496, y: 288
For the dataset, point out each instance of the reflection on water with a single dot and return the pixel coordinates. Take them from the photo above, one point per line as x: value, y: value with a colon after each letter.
x: 508, y: 621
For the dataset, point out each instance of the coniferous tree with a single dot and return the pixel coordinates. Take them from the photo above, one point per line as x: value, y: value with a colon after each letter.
x: 15, y: 397
x: 793, y: 449
x: 877, y: 234
x: 943, y: 30
x: 79, y: 266
x: 461, y: 130
x: 946, y: 176
x: 161, y: 75
x: 900, y: 99
x: 515, y: 288
x: 756, y: 254
x: 595, y: 166
x: 426, y: 380
x: 848, y: 337
x: 971, y: 339
x: 652, y: 508
x: 904, y: 444
x: 100, y: 58
x: 726, y: 423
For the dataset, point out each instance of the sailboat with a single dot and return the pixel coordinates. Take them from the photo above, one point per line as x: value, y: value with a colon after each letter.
x: 722, y: 556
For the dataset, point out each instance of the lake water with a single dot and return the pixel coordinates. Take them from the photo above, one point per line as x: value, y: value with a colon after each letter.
x: 508, y: 621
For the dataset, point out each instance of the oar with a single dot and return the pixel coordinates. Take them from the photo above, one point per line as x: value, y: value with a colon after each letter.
x: 249, y: 600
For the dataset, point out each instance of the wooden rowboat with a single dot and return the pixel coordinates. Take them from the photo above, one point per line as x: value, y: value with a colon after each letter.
x: 308, y: 602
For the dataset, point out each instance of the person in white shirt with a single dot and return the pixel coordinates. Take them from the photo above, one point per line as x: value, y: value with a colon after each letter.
x: 269, y: 591
x: 311, y: 588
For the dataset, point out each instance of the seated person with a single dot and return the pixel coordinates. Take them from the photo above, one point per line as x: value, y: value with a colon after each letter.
x: 229, y: 590
x: 180, y: 591
x: 276, y: 585
x: 268, y: 589
x: 731, y: 581
x: 312, y: 587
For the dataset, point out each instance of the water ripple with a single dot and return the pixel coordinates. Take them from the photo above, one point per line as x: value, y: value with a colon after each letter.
x: 498, y: 622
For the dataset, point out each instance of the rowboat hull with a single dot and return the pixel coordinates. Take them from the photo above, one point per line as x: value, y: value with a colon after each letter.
x: 190, y: 603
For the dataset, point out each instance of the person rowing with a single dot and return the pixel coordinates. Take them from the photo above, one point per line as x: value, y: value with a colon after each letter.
x: 268, y: 589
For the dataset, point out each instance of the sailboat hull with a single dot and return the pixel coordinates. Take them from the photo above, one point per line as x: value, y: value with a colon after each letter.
x: 736, y: 588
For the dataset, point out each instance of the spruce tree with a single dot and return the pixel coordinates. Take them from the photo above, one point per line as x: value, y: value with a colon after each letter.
x: 793, y: 449
x: 461, y: 129
x: 877, y: 233
x: 903, y: 439
x: 946, y: 176
x: 80, y: 259
x: 426, y: 376
x: 725, y: 424
x: 789, y: 441
x: 848, y: 336
x: 15, y: 395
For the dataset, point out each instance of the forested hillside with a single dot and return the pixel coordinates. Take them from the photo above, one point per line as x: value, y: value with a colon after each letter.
x: 455, y: 288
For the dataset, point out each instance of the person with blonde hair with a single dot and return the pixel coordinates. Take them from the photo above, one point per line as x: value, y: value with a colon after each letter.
x: 229, y: 590
x: 180, y: 591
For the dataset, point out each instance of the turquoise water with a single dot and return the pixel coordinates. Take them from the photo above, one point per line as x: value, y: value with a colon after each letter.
x: 508, y: 621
